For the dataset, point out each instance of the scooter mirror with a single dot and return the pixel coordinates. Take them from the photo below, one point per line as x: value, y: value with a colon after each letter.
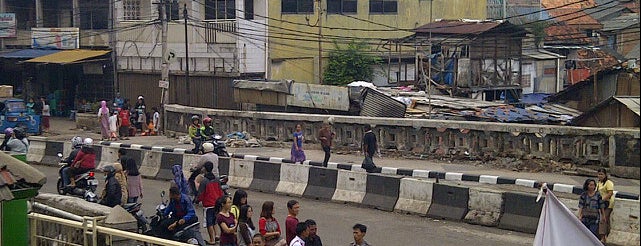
x: 60, y: 155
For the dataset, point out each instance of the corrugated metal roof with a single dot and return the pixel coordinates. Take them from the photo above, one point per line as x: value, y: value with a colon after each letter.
x: 377, y: 104
x: 631, y: 102
x: 541, y: 54
x: 69, y: 56
x: 621, y: 22
x: 572, y: 16
x: 276, y: 86
x: 465, y: 27
x: 28, y: 53
x: 634, y: 52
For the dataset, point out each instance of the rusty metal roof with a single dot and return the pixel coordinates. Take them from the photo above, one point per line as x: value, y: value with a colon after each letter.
x: 572, y: 16
x: 466, y: 27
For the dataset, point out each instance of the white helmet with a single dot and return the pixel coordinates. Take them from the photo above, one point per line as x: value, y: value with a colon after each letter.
x: 76, y: 142
x: 208, y: 147
x: 88, y: 141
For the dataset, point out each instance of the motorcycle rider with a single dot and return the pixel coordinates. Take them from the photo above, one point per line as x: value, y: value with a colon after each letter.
x: 207, y: 130
x: 195, y: 168
x: 181, y: 209
x: 18, y: 142
x: 76, y: 143
x: 194, y: 134
x: 84, y: 161
x: 112, y: 194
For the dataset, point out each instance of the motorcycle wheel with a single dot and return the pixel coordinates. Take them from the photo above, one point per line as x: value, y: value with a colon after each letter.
x: 60, y: 187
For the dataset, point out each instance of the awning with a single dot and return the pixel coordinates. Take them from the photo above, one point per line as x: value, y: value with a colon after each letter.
x: 27, y: 53
x: 69, y: 56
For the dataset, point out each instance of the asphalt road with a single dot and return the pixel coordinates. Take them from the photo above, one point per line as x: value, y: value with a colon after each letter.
x: 335, y: 220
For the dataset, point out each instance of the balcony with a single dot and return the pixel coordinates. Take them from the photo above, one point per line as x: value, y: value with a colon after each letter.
x: 221, y: 32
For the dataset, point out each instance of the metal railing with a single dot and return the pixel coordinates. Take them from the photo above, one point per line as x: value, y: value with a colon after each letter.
x: 217, y: 32
x: 49, y: 230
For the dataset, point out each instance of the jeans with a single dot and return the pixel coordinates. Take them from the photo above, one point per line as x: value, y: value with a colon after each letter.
x: 328, y: 153
x: 197, y: 145
x: 65, y: 176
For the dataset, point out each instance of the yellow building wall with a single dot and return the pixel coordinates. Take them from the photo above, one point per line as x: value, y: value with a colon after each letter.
x: 293, y: 36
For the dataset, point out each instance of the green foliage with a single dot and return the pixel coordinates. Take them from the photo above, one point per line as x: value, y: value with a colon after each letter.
x: 349, y: 63
x: 538, y: 29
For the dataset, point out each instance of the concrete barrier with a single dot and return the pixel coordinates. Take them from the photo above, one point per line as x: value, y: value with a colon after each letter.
x: 484, y: 207
x: 350, y: 186
x: 382, y: 191
x: 321, y: 183
x: 108, y: 157
x: 98, y: 150
x: 150, y: 164
x: 241, y: 173
x: 37, y: 147
x: 293, y: 179
x: 187, y: 160
x: 414, y: 196
x: 137, y: 155
x: 167, y: 161
x: 223, y: 165
x: 521, y: 212
x: 449, y: 202
x: 266, y: 176
x: 51, y: 153
x: 625, y: 223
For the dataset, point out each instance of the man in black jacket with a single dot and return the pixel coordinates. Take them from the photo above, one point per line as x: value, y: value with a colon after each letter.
x: 112, y: 194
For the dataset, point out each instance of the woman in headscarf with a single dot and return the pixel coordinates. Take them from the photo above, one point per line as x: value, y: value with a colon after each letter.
x: 179, y: 179
x: 121, y: 176
x: 103, y: 116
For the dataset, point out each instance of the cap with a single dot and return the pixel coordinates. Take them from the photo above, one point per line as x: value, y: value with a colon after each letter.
x: 140, y: 97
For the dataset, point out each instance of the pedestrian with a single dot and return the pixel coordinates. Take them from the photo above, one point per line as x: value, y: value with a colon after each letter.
x: 359, y: 234
x: 46, y: 114
x: 30, y: 105
x: 125, y: 123
x: 302, y: 232
x: 293, y: 207
x: 179, y: 179
x: 369, y: 148
x: 209, y: 192
x: 313, y: 239
x: 134, y: 180
x: 246, y: 228
x: 155, y: 119
x: 227, y: 223
x: 258, y: 240
x: 8, y: 134
x: 118, y: 101
x: 591, y: 207
x: 18, y: 141
x: 37, y: 107
x: 111, y: 195
x: 113, y: 126
x: 605, y: 186
x: 121, y: 177
x: 194, y: 133
x: 269, y: 227
x: 141, y: 114
x: 240, y: 199
x: 103, y: 118
x: 326, y: 137
x: 297, y: 152
x: 196, y: 168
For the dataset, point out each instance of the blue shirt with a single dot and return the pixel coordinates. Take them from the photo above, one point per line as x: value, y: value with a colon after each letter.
x: 298, y: 136
x: 185, y: 208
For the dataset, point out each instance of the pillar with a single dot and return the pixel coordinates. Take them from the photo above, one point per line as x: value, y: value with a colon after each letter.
x: 76, y: 13
x: 39, y: 14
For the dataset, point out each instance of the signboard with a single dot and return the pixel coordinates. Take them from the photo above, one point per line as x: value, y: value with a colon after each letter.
x: 319, y: 96
x: 163, y: 84
x: 7, y: 25
x: 67, y: 38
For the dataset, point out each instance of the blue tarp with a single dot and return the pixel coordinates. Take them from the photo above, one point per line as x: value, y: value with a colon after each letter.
x: 27, y: 53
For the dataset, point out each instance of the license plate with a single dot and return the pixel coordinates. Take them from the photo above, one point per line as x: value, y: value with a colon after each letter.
x: 92, y: 182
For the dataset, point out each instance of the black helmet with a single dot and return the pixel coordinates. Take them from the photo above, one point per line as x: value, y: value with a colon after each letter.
x: 19, y: 132
x: 109, y: 169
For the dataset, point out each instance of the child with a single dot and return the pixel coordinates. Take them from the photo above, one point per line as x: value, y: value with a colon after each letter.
x: 194, y: 133
x: 124, y: 122
x: 156, y: 119
x: 113, y: 126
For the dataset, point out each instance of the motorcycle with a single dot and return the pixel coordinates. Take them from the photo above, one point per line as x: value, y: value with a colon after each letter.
x: 220, y: 148
x: 86, y: 184
x: 189, y: 234
x: 135, y: 210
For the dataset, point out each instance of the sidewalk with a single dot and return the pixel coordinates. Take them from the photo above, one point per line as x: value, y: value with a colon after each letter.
x: 63, y: 129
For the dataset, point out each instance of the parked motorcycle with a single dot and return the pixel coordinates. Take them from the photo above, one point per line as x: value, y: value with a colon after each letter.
x: 189, y: 234
x: 86, y: 184
x: 135, y: 210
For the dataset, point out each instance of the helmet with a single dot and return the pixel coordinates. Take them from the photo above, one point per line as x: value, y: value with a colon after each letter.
x: 194, y: 117
x: 109, y: 169
x: 207, y: 120
x: 8, y: 131
x: 88, y: 141
x: 19, y: 132
x: 208, y: 147
x: 76, y: 141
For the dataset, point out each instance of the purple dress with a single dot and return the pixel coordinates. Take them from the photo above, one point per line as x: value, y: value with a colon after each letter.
x: 298, y: 155
x: 104, y: 122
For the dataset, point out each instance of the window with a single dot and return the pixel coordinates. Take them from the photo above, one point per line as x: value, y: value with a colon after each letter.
x: 173, y: 11
x: 132, y: 9
x: 341, y: 6
x: 220, y: 9
x: 94, y: 14
x: 297, y: 6
x: 249, y: 9
x: 383, y: 6
x: 25, y: 17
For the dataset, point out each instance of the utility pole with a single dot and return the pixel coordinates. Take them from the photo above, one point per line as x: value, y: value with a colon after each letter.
x: 320, y: 43
x: 186, y: 52
x: 112, y: 44
x: 504, y: 10
x: 164, y: 73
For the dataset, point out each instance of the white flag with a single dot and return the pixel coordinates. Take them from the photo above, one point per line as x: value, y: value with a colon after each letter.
x: 559, y: 226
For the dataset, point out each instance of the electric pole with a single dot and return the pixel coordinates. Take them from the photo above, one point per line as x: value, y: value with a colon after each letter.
x: 164, y: 74
x: 320, y: 43
x: 186, y: 52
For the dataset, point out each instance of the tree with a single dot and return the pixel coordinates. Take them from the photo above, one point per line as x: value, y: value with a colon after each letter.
x: 349, y: 63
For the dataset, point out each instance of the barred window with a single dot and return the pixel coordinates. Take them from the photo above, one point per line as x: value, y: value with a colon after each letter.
x: 297, y: 6
x: 383, y: 6
x: 342, y: 6
x: 220, y: 9
x: 132, y: 9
